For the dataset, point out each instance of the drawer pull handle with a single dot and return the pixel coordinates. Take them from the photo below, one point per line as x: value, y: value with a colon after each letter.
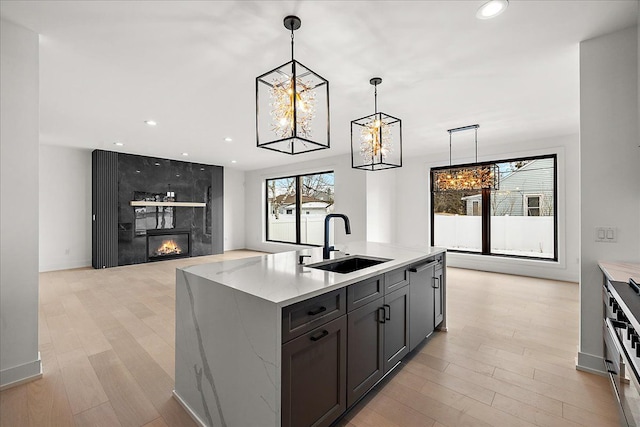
x: 317, y: 311
x: 387, y: 316
x: 381, y: 318
x: 422, y: 267
x: 436, y: 282
x: 322, y: 335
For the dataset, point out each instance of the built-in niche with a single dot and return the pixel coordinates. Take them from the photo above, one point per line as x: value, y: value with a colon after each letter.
x: 153, y: 217
x: 153, y: 198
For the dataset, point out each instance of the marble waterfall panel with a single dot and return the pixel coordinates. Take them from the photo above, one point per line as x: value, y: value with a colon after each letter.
x: 230, y: 375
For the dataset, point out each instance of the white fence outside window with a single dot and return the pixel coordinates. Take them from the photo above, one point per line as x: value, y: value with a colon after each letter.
x: 512, y: 235
x: 311, y: 229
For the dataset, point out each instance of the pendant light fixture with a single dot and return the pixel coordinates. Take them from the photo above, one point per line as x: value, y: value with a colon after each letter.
x: 376, y: 140
x: 292, y: 106
x: 468, y: 177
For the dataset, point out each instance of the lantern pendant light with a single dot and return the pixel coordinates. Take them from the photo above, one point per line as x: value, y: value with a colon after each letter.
x: 376, y: 140
x: 292, y: 106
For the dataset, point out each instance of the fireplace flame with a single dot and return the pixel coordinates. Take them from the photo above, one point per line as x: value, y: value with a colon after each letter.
x: 168, y: 247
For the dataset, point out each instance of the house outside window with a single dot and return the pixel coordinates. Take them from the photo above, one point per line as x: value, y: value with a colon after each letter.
x: 520, y: 219
x: 296, y: 208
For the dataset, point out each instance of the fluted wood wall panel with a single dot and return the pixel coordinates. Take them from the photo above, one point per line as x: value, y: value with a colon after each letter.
x: 104, y: 209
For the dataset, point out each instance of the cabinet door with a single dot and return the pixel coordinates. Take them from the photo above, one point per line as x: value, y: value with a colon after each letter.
x: 396, y: 327
x: 365, y: 360
x: 421, y: 303
x: 314, y: 376
x: 437, y: 294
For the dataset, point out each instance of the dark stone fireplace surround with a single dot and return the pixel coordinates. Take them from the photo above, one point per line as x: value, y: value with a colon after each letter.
x: 118, y: 178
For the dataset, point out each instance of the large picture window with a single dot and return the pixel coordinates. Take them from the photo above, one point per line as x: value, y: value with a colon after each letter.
x: 296, y: 207
x: 518, y: 218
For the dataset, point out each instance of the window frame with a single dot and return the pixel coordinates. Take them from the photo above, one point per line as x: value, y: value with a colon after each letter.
x: 486, y: 212
x: 297, y: 209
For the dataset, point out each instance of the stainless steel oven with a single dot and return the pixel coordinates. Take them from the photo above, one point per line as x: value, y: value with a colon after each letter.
x: 622, y: 348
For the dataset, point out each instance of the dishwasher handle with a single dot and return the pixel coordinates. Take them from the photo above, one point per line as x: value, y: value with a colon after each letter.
x: 423, y: 267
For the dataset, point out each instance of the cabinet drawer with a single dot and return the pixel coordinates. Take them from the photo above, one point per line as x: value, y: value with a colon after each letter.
x: 395, y: 280
x: 306, y: 315
x: 361, y: 293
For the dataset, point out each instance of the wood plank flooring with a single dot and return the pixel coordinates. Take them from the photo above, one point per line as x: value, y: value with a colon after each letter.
x: 508, y: 359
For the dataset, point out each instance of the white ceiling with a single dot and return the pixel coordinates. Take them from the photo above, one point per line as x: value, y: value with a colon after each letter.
x: 106, y: 66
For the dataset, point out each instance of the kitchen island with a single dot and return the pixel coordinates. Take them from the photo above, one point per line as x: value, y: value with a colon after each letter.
x: 263, y: 341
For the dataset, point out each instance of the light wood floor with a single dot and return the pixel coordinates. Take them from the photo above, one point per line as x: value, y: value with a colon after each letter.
x: 107, y: 346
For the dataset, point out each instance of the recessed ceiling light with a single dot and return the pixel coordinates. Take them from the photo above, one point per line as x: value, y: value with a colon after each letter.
x: 185, y: 154
x: 233, y: 161
x: 137, y: 171
x: 119, y: 144
x: 491, y: 9
x: 228, y: 139
x: 157, y: 164
x: 151, y: 122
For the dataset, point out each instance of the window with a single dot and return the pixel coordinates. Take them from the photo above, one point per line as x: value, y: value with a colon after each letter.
x: 296, y: 208
x: 475, y: 208
x: 517, y: 219
x: 532, y: 204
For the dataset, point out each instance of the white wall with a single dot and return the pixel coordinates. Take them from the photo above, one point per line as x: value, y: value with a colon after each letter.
x: 413, y: 207
x: 609, y: 159
x: 234, y: 212
x: 381, y: 206
x: 350, y: 199
x: 19, y: 358
x: 65, y: 208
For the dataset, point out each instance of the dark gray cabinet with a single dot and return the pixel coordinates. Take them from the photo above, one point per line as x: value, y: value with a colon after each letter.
x: 365, y: 345
x: 378, y: 332
x: 422, y: 302
x: 396, y: 327
x: 331, y: 360
x: 314, y: 376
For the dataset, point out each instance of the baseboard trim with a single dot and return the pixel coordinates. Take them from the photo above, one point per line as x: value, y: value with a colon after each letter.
x: 65, y: 265
x: 590, y: 363
x: 21, y: 374
x: 187, y: 408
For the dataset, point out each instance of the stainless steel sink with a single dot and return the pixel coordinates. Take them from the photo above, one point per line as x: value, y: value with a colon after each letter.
x: 349, y: 264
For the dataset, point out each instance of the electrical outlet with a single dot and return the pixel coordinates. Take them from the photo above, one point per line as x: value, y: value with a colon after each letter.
x: 606, y: 234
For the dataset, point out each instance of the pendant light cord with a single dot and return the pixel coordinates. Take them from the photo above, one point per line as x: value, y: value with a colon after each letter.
x: 463, y: 128
x: 291, y: 44
x: 476, y: 138
x: 375, y: 98
x: 449, y: 148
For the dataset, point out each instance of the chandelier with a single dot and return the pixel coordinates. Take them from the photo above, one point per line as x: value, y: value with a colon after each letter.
x: 292, y: 106
x: 376, y: 140
x: 469, y: 177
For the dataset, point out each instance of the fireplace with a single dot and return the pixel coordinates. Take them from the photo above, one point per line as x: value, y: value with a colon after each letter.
x: 168, y: 244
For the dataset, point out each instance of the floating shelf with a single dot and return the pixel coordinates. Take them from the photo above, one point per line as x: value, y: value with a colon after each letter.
x: 174, y: 204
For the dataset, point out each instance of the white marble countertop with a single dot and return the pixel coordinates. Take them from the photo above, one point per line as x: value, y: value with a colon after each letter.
x: 620, y: 271
x: 279, y: 279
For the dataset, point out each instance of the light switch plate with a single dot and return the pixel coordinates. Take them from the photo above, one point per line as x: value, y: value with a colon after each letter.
x: 606, y: 234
